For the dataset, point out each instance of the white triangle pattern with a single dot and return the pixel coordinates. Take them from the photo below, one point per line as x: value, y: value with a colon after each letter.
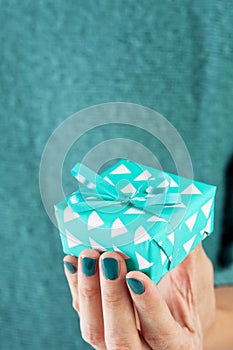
x: 91, y: 185
x: 69, y: 214
x: 207, y: 207
x: 142, y: 262
x: 141, y: 235
x: 171, y: 238
x: 128, y: 189
x: 96, y: 245
x: 94, y: 220
x: 179, y: 205
x: 187, y: 246
x: 134, y: 211
x: 73, y: 199
x: 116, y: 249
x: 109, y: 181
x: 71, y: 240
x: 148, y: 190
x: 81, y: 178
x: 154, y: 218
x: 163, y: 256
x: 173, y: 183
x: 165, y: 183
x: 204, y: 233
x: 191, y: 221
x: 143, y: 176
x: 191, y: 189
x: 141, y: 198
x: 121, y: 169
x: 118, y: 228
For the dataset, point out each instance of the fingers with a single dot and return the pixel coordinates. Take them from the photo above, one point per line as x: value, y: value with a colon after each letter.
x: 70, y: 268
x: 119, y: 319
x: 157, y: 323
x: 91, y: 316
x: 101, y: 297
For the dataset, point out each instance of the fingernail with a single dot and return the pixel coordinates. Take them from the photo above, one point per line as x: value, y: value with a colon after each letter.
x: 88, y: 266
x: 70, y: 267
x: 110, y: 268
x: 135, y: 285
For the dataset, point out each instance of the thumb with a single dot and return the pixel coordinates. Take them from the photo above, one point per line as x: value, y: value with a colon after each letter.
x: 157, y: 324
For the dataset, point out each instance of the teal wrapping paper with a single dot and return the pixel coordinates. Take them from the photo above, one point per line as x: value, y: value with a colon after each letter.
x: 152, y: 218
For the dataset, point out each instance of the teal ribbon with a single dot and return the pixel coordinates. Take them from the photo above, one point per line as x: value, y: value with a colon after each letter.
x: 99, y: 193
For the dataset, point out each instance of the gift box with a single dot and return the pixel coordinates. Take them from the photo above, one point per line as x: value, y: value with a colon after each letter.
x: 154, y: 219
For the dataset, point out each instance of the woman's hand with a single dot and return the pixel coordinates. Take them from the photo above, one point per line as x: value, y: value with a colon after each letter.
x: 189, y: 288
x: 137, y: 314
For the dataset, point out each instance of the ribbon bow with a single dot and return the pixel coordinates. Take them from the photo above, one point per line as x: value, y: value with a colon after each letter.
x: 99, y: 193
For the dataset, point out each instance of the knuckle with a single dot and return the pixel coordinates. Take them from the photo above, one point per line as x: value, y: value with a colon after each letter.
x: 89, y: 291
x: 92, y: 336
x: 151, y: 339
x: 161, y: 341
x: 75, y: 305
x: 118, y: 345
x: 112, y: 299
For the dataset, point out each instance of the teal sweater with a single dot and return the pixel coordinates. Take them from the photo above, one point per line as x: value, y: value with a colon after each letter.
x: 57, y: 57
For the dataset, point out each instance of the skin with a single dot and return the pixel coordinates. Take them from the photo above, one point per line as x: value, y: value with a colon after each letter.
x: 183, y: 311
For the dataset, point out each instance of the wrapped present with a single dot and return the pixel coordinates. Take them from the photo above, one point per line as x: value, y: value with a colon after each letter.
x: 152, y: 218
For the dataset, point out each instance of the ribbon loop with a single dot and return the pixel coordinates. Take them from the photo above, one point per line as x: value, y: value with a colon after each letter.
x: 99, y: 193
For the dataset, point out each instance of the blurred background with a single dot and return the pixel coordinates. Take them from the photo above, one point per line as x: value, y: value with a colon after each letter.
x: 58, y: 57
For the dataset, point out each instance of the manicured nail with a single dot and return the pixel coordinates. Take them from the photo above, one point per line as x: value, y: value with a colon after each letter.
x: 88, y: 266
x: 110, y: 268
x: 70, y: 267
x: 135, y: 285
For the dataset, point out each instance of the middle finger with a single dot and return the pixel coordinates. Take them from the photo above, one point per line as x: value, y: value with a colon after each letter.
x: 119, y: 318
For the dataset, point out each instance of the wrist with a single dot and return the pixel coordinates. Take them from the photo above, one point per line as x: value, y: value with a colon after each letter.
x: 220, y: 335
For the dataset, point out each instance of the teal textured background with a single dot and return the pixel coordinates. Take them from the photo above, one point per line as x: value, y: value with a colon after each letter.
x: 58, y: 57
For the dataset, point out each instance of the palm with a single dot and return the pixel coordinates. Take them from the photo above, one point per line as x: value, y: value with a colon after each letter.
x: 188, y: 290
x: 189, y: 293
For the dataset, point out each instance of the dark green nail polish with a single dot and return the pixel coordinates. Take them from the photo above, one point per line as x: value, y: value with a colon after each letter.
x: 70, y: 267
x: 88, y: 266
x: 110, y: 268
x: 136, y: 285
